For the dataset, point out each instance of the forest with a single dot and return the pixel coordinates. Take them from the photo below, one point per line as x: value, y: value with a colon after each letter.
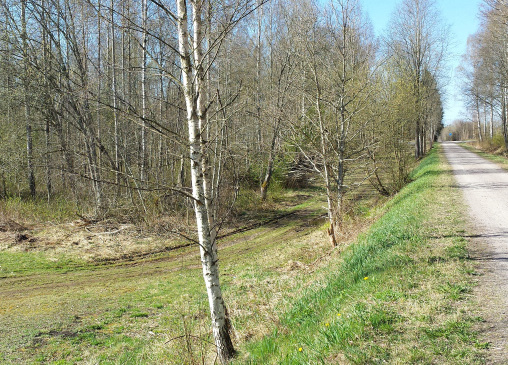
x: 140, y: 112
x: 94, y: 99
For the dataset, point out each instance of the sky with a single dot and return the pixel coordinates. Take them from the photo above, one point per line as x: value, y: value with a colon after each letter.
x: 462, y: 17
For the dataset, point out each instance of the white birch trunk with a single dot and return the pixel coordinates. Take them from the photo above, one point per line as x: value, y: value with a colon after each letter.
x: 478, y: 121
x: 491, y: 121
x: 200, y: 91
x: 195, y: 110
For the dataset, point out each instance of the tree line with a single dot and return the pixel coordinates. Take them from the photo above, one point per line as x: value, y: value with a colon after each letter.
x: 484, y: 71
x: 158, y: 103
x: 93, y: 101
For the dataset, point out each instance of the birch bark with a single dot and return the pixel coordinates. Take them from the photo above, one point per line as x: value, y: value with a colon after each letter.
x: 193, y: 88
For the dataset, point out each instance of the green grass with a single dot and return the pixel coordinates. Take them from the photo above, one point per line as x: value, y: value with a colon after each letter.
x: 20, y: 263
x: 400, y: 294
x: 62, y: 310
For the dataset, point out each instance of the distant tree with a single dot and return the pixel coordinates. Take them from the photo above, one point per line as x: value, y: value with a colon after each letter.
x: 392, y: 111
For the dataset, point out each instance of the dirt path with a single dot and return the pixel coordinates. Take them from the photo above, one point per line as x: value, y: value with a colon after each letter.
x: 485, y: 189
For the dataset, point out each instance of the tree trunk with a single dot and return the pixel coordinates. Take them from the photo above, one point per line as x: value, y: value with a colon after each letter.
x: 504, y: 118
x: 28, y: 122
x: 46, y: 68
x: 207, y: 243
x: 49, y: 188
x: 417, y: 139
x: 258, y: 79
x: 114, y: 92
x: 4, y: 186
x: 485, y: 120
x: 478, y: 121
x: 181, y: 174
x: 491, y: 121
x: 326, y: 169
x: 99, y: 76
x: 143, y: 95
x: 271, y: 160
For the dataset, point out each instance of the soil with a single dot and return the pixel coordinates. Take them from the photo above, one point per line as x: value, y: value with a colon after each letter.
x: 485, y: 189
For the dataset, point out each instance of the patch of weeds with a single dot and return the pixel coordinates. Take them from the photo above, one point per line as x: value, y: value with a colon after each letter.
x: 139, y: 314
x: 118, y: 313
x: 455, y: 291
x: 90, y: 338
x: 458, y: 328
x: 41, y: 358
x: 389, y: 295
x: 94, y: 327
x: 435, y: 260
x: 60, y: 362
x: 383, y: 320
x: 361, y: 210
x: 458, y: 251
x: 482, y: 345
x: 270, y: 347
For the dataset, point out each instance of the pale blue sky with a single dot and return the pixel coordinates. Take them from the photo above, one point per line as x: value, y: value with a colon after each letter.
x: 462, y: 17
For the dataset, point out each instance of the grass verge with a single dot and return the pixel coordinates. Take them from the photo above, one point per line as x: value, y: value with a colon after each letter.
x: 501, y: 160
x: 399, y: 295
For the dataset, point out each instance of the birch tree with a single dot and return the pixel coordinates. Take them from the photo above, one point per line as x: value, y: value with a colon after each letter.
x: 192, y: 62
x: 484, y: 70
x: 495, y: 19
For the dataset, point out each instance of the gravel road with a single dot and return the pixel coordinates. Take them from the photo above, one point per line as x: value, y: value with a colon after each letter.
x: 485, y: 189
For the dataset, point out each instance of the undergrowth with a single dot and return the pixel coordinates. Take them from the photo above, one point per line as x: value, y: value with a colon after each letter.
x: 56, y: 210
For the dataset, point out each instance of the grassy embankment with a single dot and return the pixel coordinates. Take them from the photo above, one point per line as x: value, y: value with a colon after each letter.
x: 398, y: 295
x: 401, y: 292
